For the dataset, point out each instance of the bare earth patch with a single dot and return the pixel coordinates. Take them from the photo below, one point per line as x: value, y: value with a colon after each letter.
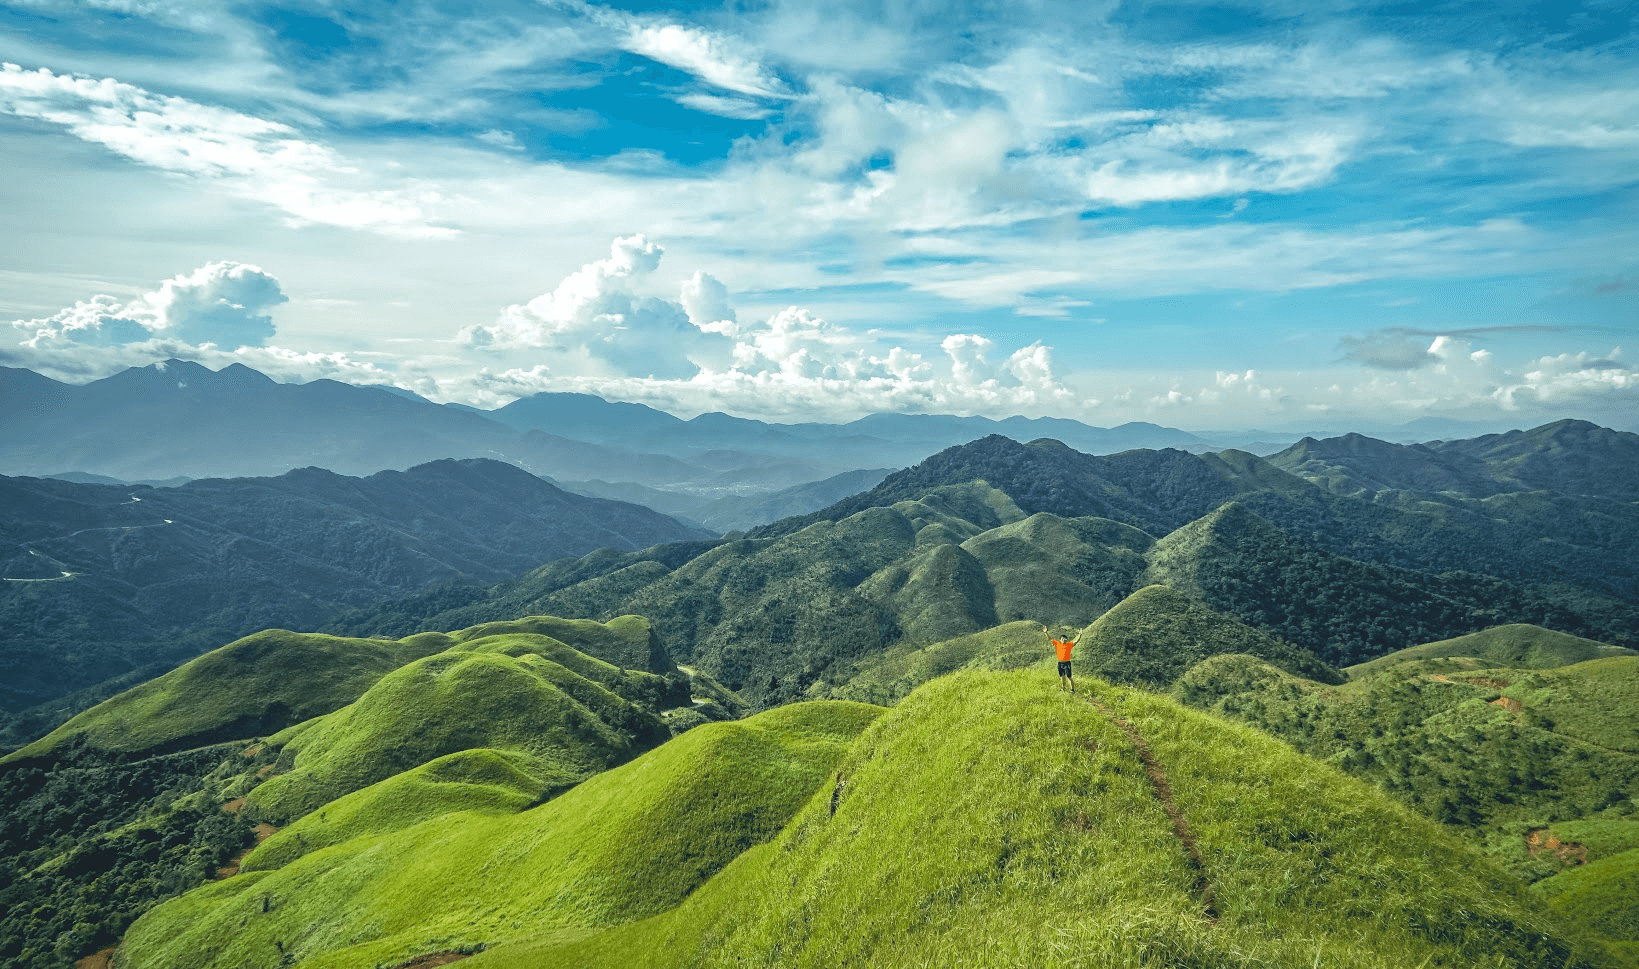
x: 432, y: 959
x: 234, y: 806
x: 1508, y: 703
x: 1568, y: 852
x: 101, y: 959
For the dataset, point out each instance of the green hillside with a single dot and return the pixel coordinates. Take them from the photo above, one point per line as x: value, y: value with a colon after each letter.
x: 886, y: 677
x: 1501, y: 752
x: 251, y: 687
x: 626, y: 844
x: 483, y: 781
x: 989, y: 820
x: 794, y: 614
x: 1157, y: 634
x: 1517, y: 645
x: 1599, y: 897
x: 522, y: 692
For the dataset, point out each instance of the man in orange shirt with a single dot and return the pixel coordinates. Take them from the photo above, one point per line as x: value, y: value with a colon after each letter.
x: 1063, y: 647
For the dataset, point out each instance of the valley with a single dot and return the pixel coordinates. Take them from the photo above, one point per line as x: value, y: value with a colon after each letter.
x: 1355, y: 703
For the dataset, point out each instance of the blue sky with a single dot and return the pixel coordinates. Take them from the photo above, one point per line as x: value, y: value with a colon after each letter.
x: 1327, y: 214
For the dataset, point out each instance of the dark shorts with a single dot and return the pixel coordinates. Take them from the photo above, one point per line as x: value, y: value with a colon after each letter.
x: 1064, y: 667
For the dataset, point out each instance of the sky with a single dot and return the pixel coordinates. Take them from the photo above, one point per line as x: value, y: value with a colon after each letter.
x: 1245, y: 214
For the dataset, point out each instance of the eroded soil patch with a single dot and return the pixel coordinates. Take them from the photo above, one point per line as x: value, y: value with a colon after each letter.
x: 101, y: 959
x: 234, y: 806
x: 1508, y: 703
x: 1570, y: 853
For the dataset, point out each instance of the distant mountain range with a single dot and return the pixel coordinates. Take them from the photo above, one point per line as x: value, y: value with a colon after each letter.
x: 181, y: 419
x: 100, y: 580
x: 996, y: 531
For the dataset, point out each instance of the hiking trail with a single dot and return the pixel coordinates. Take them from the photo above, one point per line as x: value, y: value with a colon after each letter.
x: 1163, y: 793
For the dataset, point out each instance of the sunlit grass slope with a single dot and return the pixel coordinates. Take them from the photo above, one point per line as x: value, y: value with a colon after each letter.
x: 1156, y: 634
x: 1519, y: 645
x: 886, y: 677
x: 250, y: 687
x: 1494, y: 749
x: 628, y: 843
x: 989, y: 820
x: 1601, y: 896
x: 483, y: 780
x: 567, y: 711
x: 624, y: 641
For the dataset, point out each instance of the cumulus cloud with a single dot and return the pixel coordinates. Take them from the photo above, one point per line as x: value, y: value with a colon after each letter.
x: 600, y: 334
x: 246, y: 156
x: 597, y: 317
x: 226, y: 304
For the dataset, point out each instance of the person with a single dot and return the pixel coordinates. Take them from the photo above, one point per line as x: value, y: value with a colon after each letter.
x: 1063, y: 648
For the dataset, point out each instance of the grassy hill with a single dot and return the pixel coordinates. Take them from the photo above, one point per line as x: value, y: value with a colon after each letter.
x: 628, y: 843
x: 785, y: 617
x: 521, y: 692
x: 118, y: 577
x: 251, y: 687
x: 1155, y: 635
x: 1507, y: 754
x: 988, y: 820
x: 1517, y: 645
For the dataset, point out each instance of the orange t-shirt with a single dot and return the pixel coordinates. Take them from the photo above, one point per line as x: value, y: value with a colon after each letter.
x: 1064, y: 647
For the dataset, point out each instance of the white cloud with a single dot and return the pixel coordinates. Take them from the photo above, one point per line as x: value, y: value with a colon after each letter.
x: 243, y: 155
x: 500, y: 139
x: 596, y: 318
x: 794, y: 364
x: 716, y: 59
x: 220, y: 303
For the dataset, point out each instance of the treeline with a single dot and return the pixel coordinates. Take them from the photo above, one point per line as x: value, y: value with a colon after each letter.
x: 91, y: 841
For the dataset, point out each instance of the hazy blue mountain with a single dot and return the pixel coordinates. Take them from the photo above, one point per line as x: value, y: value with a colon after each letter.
x: 103, y: 579
x: 583, y: 417
x: 1573, y: 458
x: 183, y: 419
x: 876, y: 440
x: 737, y: 511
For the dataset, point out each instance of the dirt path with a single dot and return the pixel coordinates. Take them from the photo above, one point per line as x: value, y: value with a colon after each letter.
x: 1163, y: 793
x: 432, y: 959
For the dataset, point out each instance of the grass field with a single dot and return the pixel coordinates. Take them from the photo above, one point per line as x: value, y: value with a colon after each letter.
x: 1518, y: 646
x: 498, y: 691
x: 250, y: 687
x: 627, y: 843
x: 989, y: 820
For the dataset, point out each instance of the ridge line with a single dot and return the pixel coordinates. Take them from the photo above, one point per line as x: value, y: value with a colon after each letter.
x: 1163, y: 793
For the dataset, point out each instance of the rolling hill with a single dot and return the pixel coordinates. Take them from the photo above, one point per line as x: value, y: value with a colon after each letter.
x: 148, y: 794
x: 1111, y: 831
x: 794, y: 613
x: 103, y: 580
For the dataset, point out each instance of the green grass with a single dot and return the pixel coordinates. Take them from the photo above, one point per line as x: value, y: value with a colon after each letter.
x: 483, y: 781
x: 1601, y: 896
x: 624, y: 641
x: 989, y: 820
x: 1518, y: 645
x: 626, y: 844
x: 1601, y: 836
x: 496, y: 691
x: 886, y: 677
x: 1596, y: 702
x: 253, y: 686
x: 1155, y: 635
